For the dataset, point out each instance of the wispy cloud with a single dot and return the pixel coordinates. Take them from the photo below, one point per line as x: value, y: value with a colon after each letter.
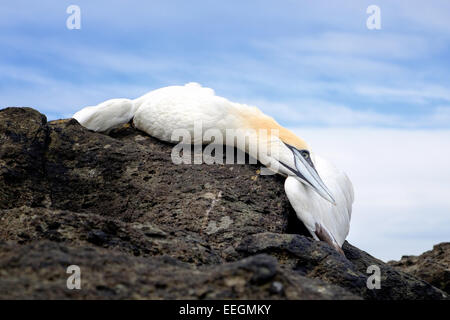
x: 417, y: 94
x: 384, y: 46
x: 327, y: 114
x: 311, y: 58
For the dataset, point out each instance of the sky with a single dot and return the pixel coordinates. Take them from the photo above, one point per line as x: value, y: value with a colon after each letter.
x: 375, y: 102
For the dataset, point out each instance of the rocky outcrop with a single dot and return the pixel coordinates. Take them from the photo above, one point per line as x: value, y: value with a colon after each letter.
x: 432, y: 266
x: 139, y: 226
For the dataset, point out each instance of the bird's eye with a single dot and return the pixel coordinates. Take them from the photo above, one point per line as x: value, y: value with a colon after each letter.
x: 305, y: 154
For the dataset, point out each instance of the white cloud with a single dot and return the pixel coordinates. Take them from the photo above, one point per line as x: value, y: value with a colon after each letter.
x: 332, y: 63
x: 327, y: 113
x: 418, y: 94
x: 383, y: 46
x: 432, y: 16
x: 401, y: 180
x: 321, y: 112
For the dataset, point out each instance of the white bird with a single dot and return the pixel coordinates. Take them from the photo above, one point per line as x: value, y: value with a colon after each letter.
x: 323, y: 206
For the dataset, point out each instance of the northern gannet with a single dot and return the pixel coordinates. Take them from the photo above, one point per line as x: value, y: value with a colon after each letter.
x: 320, y: 194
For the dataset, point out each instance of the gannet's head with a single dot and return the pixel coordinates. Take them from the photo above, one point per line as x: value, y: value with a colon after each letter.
x: 292, y: 156
x: 286, y: 153
x: 306, y: 172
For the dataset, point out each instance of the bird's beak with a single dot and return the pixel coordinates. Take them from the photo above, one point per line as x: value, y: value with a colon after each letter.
x: 306, y: 171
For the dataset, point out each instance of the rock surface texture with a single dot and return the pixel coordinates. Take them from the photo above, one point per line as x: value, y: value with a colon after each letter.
x: 432, y: 266
x: 141, y: 227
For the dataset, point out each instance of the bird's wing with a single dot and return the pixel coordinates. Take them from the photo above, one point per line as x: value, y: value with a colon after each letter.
x: 323, y: 219
x: 107, y: 115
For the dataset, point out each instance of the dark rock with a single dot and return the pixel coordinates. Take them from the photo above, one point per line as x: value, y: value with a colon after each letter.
x: 23, y: 142
x: 140, y: 226
x: 97, y: 237
x: 432, y: 266
x: 38, y: 270
x: 317, y: 260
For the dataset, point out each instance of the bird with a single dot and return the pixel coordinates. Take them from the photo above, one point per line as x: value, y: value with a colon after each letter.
x: 320, y: 194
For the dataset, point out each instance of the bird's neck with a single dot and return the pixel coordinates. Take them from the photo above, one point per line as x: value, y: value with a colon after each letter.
x: 266, y: 127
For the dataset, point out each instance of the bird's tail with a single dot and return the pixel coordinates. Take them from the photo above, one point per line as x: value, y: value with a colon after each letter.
x: 106, y: 115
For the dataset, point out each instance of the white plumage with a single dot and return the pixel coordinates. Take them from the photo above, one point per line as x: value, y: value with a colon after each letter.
x: 107, y: 115
x: 311, y: 209
x: 321, y: 195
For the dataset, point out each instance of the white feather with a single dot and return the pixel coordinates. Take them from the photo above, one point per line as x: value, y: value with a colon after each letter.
x: 107, y: 115
x: 312, y: 208
x: 162, y: 111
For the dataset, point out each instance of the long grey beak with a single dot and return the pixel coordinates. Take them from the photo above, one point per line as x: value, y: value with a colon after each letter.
x: 308, y: 174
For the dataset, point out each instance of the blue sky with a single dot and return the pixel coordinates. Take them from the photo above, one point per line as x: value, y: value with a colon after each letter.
x: 288, y: 57
x: 313, y: 65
